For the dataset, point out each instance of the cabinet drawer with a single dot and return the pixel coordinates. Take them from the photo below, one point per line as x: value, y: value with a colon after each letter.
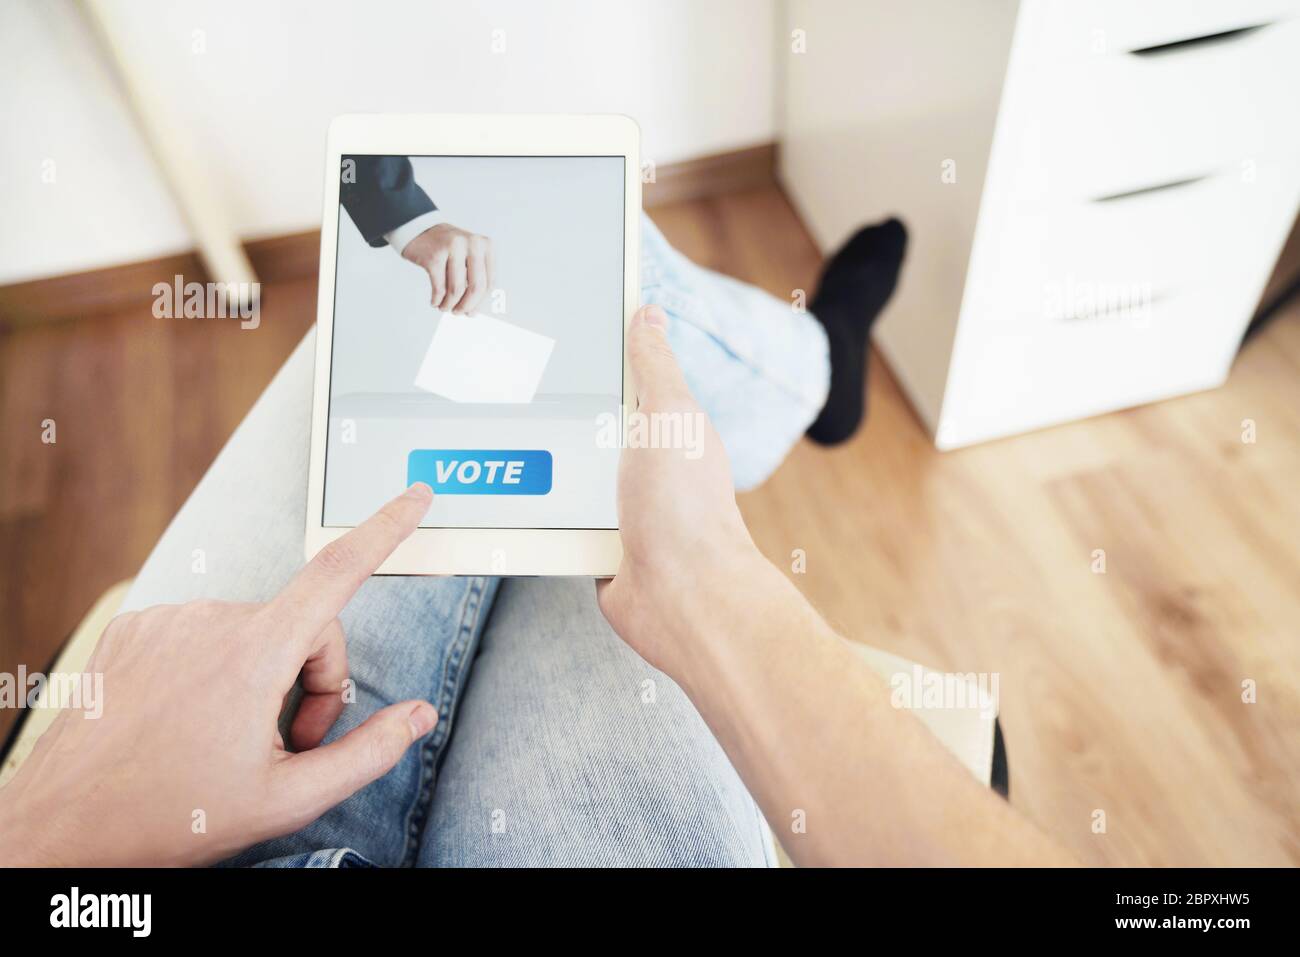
x: 1091, y: 123
x: 1029, y: 375
x: 1082, y: 29
x: 1074, y: 309
x: 1071, y: 260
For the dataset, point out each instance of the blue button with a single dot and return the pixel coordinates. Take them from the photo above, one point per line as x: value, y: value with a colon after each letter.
x: 481, y: 471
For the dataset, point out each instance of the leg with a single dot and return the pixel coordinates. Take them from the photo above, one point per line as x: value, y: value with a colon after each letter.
x: 571, y: 750
x: 239, y: 537
x: 758, y: 367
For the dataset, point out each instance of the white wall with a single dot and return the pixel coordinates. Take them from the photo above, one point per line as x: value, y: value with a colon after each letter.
x: 696, y: 74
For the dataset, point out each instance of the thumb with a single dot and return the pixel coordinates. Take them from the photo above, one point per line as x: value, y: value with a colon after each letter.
x: 655, y: 372
x: 314, y: 781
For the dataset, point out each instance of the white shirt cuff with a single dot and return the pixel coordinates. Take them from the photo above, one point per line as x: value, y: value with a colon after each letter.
x: 404, y: 233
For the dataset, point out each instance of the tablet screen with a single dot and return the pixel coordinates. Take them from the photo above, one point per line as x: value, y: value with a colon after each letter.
x: 478, y: 339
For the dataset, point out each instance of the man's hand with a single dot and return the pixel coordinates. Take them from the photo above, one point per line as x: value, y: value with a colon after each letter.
x: 806, y: 722
x: 188, y: 731
x: 683, y: 535
x: 459, y: 265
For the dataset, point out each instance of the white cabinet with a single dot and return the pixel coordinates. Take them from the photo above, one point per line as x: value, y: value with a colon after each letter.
x: 1096, y: 192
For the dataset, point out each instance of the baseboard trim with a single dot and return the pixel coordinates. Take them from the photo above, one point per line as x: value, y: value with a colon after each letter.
x: 115, y: 288
x: 296, y: 255
x: 713, y: 175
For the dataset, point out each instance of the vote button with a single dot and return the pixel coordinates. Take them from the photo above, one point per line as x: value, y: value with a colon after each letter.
x: 481, y: 471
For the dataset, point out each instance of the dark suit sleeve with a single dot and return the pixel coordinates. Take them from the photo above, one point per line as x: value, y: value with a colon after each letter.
x: 380, y: 194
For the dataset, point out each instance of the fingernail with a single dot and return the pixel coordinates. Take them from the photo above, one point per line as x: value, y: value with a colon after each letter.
x: 422, y: 719
x: 419, y: 490
x: 653, y: 316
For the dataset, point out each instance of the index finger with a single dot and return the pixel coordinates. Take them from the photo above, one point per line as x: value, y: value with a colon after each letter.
x: 319, y: 591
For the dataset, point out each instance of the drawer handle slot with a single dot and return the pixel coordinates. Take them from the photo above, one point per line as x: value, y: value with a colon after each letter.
x: 1178, y: 46
x: 1144, y: 190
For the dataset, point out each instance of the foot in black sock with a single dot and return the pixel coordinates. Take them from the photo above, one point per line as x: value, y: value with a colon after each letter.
x: 855, y: 285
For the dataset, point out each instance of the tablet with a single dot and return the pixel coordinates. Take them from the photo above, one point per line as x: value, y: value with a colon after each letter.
x: 477, y: 277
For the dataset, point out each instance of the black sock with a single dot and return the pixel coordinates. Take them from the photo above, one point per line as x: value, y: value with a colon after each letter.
x: 854, y: 287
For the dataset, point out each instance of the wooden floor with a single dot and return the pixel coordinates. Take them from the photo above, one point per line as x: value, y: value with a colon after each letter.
x: 1121, y: 692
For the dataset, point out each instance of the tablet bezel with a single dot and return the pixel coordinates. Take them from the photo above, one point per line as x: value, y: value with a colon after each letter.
x: 473, y: 551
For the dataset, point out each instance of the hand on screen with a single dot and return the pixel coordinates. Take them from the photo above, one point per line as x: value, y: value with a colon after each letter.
x: 459, y: 265
x: 187, y: 732
x: 682, y: 532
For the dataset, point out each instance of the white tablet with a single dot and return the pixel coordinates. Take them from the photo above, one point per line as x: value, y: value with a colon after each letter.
x: 477, y: 277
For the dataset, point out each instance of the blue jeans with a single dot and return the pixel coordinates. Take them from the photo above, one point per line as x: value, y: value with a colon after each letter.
x: 564, y: 747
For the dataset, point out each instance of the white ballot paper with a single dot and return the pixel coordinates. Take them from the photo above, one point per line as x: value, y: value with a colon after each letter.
x: 481, y: 359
